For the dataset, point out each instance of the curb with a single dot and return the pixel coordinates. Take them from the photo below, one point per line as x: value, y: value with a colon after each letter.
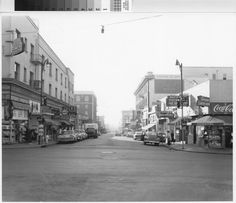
x: 27, y: 147
x: 195, y: 151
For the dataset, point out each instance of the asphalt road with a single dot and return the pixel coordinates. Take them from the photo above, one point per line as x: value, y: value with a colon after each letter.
x: 105, y: 169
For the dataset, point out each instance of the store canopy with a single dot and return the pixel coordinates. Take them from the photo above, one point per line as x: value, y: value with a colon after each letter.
x: 148, y: 126
x: 51, y: 122
x: 208, y: 120
x: 66, y: 122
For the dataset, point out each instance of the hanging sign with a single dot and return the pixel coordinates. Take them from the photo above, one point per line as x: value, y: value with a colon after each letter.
x: 221, y: 108
x: 18, y: 46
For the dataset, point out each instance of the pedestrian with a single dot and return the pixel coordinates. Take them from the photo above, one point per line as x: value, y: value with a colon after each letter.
x: 168, y: 137
x: 172, y: 137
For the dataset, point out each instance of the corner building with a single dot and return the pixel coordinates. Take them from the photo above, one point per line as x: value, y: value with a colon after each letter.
x: 25, y: 71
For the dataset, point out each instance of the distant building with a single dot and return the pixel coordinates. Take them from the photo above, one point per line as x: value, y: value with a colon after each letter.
x: 121, y: 5
x: 86, y: 103
x: 128, y: 118
x: 63, y: 5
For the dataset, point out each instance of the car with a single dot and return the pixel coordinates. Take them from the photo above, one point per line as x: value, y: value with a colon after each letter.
x: 130, y: 134
x: 162, y: 137
x: 151, y: 137
x: 78, y: 135
x: 138, y: 135
x: 83, y: 134
x: 67, y: 136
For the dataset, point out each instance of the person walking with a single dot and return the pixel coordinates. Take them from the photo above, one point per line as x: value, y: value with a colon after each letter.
x: 168, y: 137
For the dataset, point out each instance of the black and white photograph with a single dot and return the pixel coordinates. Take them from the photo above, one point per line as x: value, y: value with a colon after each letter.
x: 117, y: 100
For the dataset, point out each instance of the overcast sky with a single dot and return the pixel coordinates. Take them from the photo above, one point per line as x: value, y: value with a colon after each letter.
x: 113, y: 64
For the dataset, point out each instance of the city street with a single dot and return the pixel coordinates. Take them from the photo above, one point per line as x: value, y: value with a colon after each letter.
x: 108, y: 169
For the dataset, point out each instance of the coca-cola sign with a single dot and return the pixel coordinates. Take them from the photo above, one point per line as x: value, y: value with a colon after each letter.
x: 221, y: 108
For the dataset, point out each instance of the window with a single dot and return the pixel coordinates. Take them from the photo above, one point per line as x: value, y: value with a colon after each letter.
x: 31, y: 78
x: 224, y: 76
x: 17, y: 71
x: 78, y: 98
x: 86, y: 106
x: 86, y: 98
x: 50, y: 70
x: 72, y: 88
x: 26, y: 44
x: 18, y: 34
x: 25, y: 75
x: 65, y: 97
x: 214, y: 76
x: 61, y: 95
x: 69, y: 99
x: 50, y: 89
x: 86, y: 112
x: 31, y: 50
x: 43, y: 85
x: 61, y: 78
x: 56, y: 74
x: 65, y: 81
x: 56, y: 92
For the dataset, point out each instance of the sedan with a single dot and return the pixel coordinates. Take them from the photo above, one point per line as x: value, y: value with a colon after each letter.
x: 138, y: 135
x: 67, y: 136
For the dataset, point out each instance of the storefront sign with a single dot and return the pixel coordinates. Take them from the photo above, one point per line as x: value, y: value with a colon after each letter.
x: 18, y: 46
x: 203, y: 101
x: 168, y: 114
x: 19, y: 114
x: 34, y: 107
x: 171, y: 100
x: 221, y: 108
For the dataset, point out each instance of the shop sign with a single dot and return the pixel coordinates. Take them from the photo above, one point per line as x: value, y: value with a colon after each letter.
x: 203, y: 101
x: 168, y: 114
x: 34, y: 107
x: 19, y: 114
x: 18, y: 46
x: 221, y: 108
x: 153, y: 118
x: 171, y: 100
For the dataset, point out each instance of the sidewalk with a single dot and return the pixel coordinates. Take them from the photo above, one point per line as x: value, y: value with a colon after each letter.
x: 26, y: 145
x: 197, y: 149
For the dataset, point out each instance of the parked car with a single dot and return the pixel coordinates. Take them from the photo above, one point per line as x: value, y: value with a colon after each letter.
x: 162, y: 137
x: 118, y: 133
x: 78, y: 135
x: 130, y: 134
x: 138, y: 135
x: 151, y: 138
x: 83, y: 134
x: 67, y: 136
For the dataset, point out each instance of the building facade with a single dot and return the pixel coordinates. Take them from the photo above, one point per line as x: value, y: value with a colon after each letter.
x: 86, y: 103
x: 34, y: 80
x: 62, y: 5
x: 121, y: 5
x: 128, y: 119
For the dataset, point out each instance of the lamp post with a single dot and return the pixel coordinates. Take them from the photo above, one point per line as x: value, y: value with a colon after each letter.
x: 45, y: 62
x: 177, y: 63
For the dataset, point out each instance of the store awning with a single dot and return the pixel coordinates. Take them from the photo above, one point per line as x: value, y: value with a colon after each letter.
x: 18, y: 105
x: 148, y: 126
x: 208, y: 120
x: 51, y: 122
x: 228, y: 119
x: 66, y: 122
x: 175, y: 121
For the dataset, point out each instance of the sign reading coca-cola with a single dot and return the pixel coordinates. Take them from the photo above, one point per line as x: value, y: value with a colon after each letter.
x: 221, y: 108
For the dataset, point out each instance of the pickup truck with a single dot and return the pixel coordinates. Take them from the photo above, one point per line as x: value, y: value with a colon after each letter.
x: 152, y: 138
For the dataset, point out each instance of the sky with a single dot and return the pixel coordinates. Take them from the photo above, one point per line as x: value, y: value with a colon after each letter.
x: 114, y: 63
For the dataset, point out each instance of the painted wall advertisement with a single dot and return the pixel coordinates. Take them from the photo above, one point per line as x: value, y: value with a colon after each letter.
x: 221, y: 108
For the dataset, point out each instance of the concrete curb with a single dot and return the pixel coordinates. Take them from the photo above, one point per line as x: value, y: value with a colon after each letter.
x: 195, y: 151
x: 29, y: 146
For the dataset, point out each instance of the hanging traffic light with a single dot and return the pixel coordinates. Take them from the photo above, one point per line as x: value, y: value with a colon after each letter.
x: 10, y: 109
x: 45, y: 100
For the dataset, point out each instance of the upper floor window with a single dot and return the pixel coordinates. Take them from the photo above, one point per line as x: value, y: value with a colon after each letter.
x: 56, y: 74
x: 78, y: 98
x: 61, y: 79
x: 50, y: 70
x: 86, y: 106
x: 214, y: 76
x: 69, y: 99
x: 55, y: 92
x: 25, y: 74
x: 17, y: 71
x: 50, y: 89
x: 65, y: 82
x: 65, y: 97
x: 224, y: 76
x: 26, y: 45
x: 86, y: 98
x: 31, y: 49
x: 61, y: 95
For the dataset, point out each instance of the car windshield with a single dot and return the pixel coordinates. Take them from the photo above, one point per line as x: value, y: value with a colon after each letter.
x: 67, y: 132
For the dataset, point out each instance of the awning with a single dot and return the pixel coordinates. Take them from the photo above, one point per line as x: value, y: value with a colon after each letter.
x: 148, y: 126
x: 22, y: 106
x: 66, y: 122
x: 208, y: 120
x: 51, y: 122
x: 175, y: 121
x: 227, y: 119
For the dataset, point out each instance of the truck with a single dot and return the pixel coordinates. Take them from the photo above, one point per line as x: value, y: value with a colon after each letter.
x: 91, y: 129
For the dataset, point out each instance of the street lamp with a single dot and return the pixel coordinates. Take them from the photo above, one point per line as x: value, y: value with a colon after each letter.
x: 177, y: 63
x: 149, y: 77
x: 45, y: 62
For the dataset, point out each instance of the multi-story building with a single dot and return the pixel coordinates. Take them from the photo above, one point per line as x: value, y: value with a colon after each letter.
x: 128, y: 119
x: 62, y: 5
x: 86, y: 103
x: 34, y: 79
x: 101, y: 123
